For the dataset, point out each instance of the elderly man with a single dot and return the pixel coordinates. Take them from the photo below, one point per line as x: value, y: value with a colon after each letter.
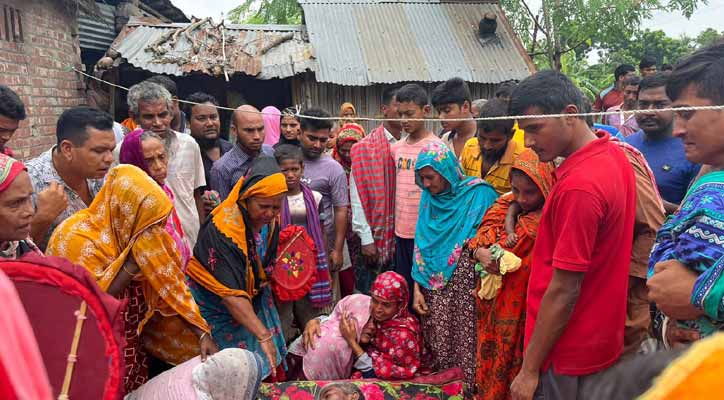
x: 150, y: 105
x: 67, y: 177
x: 248, y: 126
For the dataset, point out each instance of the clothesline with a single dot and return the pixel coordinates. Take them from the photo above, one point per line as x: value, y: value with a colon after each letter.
x: 377, y: 119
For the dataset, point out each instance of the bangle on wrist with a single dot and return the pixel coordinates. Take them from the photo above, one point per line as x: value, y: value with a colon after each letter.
x: 203, y: 335
x: 266, y: 339
x: 132, y: 275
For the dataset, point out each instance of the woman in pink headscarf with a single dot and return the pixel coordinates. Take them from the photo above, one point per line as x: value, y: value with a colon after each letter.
x: 146, y: 150
x: 272, y: 124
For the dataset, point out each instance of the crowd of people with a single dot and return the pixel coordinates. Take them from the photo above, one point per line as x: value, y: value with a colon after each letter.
x: 540, y: 255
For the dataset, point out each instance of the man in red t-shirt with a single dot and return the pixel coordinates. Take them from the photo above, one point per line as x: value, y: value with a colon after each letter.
x: 613, y: 95
x: 576, y: 306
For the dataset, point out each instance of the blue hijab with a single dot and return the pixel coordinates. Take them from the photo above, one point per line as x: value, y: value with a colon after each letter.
x: 446, y: 220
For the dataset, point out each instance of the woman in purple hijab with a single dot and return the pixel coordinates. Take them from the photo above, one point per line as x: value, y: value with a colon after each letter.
x: 146, y: 150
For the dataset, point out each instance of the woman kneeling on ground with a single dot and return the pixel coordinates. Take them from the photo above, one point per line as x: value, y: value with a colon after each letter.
x: 363, y: 337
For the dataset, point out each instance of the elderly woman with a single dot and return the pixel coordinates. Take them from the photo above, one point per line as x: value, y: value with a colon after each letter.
x: 231, y: 264
x: 122, y: 241
x: 16, y: 209
x: 450, y: 208
x: 146, y: 150
x: 230, y: 374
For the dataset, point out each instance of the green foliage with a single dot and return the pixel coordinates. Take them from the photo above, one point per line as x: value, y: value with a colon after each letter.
x: 284, y: 12
x: 708, y: 37
x: 664, y: 49
x: 655, y: 44
x: 580, y: 26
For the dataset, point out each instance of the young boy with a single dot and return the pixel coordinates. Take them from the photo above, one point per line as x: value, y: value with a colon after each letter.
x: 302, y: 209
x: 452, y: 100
x: 412, y: 104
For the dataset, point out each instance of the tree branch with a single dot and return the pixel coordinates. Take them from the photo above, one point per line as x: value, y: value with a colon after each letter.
x: 542, y: 53
x: 534, y: 18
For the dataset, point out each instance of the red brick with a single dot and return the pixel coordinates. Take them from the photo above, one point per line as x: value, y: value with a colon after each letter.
x: 38, y: 70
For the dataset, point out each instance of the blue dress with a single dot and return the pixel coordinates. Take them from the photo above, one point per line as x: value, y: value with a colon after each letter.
x: 227, y: 333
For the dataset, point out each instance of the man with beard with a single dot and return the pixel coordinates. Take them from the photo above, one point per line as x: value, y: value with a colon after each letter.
x: 248, y: 126
x: 664, y: 153
x: 205, y: 125
x: 625, y: 121
x: 491, y: 153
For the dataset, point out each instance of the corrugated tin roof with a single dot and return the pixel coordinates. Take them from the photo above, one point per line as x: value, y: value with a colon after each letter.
x: 262, y: 51
x: 364, y: 42
x: 97, y: 31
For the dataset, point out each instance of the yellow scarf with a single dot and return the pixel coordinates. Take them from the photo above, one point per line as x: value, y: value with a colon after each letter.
x: 128, y: 217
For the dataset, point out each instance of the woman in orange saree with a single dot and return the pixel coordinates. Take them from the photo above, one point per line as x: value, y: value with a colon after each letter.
x: 501, y: 320
x: 121, y: 239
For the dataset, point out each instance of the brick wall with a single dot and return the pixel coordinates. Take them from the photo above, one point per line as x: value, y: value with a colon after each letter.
x: 38, y: 70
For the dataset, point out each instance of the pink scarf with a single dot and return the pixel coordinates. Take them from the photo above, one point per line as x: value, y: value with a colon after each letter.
x: 332, y: 358
x: 272, y: 125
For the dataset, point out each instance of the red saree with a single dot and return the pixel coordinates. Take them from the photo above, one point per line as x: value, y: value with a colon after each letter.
x: 501, y: 321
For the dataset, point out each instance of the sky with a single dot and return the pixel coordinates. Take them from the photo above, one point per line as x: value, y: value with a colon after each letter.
x: 707, y: 16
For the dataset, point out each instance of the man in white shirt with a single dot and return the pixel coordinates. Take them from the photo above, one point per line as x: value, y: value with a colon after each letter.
x: 150, y: 105
x: 371, y: 202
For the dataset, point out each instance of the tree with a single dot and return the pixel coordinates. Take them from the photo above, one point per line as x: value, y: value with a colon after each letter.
x: 655, y: 44
x: 708, y: 37
x: 559, y: 27
x: 284, y: 12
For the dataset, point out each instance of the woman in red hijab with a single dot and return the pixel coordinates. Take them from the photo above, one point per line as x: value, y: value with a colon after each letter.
x: 397, y: 346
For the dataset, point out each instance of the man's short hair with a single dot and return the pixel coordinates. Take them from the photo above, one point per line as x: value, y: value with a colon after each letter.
x: 147, y: 92
x: 656, y: 80
x: 74, y: 122
x: 452, y: 91
x: 506, y: 89
x: 647, y: 62
x: 388, y: 94
x: 166, y: 82
x: 412, y: 93
x: 632, y: 81
x: 313, y: 124
x: 200, y: 98
x: 622, y: 70
x: 10, y: 104
x: 704, y: 70
x: 495, y: 108
x: 285, y: 152
x: 667, y: 67
x: 550, y: 91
